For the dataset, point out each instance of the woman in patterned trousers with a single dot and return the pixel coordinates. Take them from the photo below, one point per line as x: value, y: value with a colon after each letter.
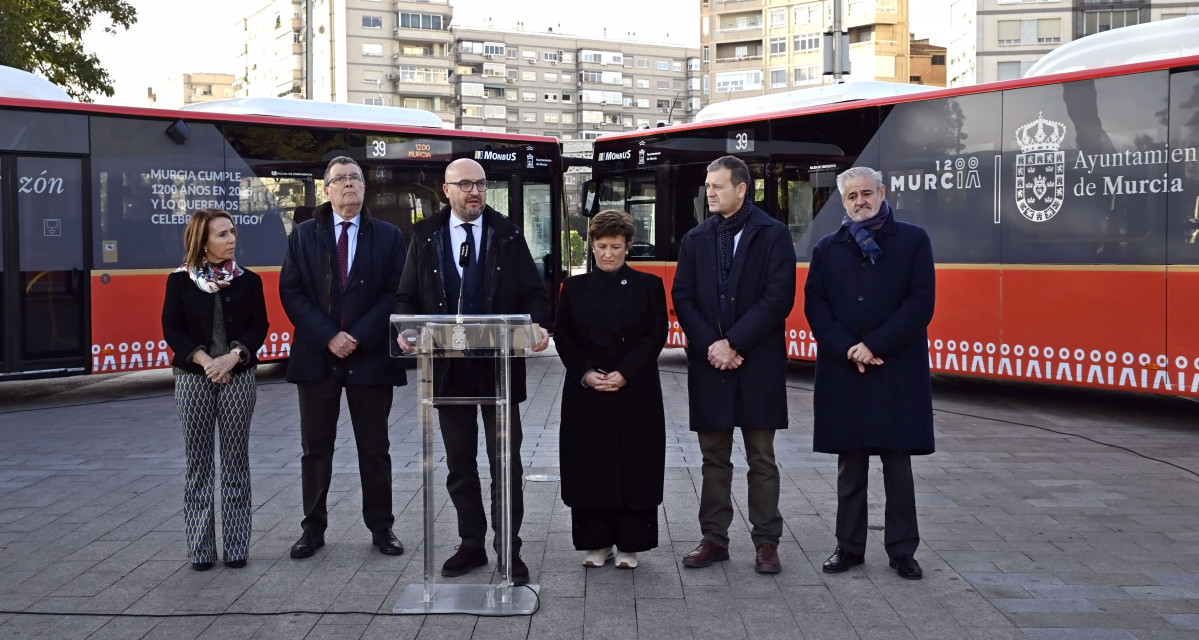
x: 214, y: 320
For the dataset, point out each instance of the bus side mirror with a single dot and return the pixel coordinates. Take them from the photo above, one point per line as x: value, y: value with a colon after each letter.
x: 590, y: 202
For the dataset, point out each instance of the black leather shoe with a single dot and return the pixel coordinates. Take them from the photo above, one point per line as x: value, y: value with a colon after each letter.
x: 463, y: 561
x: 201, y: 566
x: 520, y: 571
x: 705, y: 554
x: 307, y: 544
x: 907, y: 567
x: 388, y: 543
x: 235, y: 564
x: 842, y: 560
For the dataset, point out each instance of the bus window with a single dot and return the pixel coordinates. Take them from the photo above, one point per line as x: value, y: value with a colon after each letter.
x: 611, y: 195
x: 538, y: 220
x: 403, y: 196
x: 642, y: 200
x: 497, y: 195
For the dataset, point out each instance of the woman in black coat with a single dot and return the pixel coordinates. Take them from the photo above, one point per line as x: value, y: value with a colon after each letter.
x: 610, y: 328
x: 214, y: 319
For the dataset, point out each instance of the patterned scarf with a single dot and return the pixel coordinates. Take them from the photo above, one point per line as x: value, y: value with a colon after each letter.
x: 726, y: 230
x: 863, y: 232
x: 211, y: 278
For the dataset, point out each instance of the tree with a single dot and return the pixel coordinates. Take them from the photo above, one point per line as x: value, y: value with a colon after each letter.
x: 45, y: 37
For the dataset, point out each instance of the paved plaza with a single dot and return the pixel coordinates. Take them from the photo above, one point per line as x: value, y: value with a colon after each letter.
x: 1045, y: 514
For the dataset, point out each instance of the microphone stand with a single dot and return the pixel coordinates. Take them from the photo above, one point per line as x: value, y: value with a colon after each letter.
x: 458, y: 340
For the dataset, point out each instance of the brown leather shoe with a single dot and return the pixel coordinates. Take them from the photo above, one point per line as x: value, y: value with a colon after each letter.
x: 705, y: 554
x: 767, y: 560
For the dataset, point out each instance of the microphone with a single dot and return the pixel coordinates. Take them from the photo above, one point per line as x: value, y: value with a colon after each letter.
x: 464, y: 262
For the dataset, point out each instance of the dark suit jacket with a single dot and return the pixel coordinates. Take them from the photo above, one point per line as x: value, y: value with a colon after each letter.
x: 612, y: 445
x: 187, y: 317
x: 315, y: 304
x: 761, y: 290
x: 511, y: 281
x: 887, y: 305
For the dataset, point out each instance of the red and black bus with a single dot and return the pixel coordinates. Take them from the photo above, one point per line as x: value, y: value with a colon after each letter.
x: 94, y: 199
x: 1063, y: 212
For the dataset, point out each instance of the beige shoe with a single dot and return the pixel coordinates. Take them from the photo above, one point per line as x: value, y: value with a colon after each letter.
x: 598, y: 557
x: 626, y: 560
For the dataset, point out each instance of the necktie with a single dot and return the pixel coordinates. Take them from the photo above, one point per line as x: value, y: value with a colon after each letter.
x: 470, y: 242
x: 343, y: 254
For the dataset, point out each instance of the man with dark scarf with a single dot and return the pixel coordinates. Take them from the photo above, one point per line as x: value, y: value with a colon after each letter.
x: 732, y: 291
x: 868, y: 299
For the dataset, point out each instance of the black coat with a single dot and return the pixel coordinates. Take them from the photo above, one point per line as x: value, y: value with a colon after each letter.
x: 612, y: 446
x: 312, y: 297
x: 187, y: 317
x: 511, y: 281
x: 761, y: 291
x: 887, y: 305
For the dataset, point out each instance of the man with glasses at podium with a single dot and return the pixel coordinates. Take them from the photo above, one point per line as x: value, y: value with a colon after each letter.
x: 470, y: 259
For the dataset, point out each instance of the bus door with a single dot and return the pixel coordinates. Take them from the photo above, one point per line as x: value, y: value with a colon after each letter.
x: 530, y: 204
x: 43, y: 283
x: 802, y: 190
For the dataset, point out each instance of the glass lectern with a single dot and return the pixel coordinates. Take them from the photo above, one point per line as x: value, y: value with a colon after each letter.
x: 432, y: 339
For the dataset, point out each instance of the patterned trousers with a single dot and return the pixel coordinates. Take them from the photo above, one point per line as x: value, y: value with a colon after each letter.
x: 205, y: 408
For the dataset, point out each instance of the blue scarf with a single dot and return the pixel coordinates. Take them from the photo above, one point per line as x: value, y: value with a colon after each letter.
x: 726, y: 230
x: 863, y: 232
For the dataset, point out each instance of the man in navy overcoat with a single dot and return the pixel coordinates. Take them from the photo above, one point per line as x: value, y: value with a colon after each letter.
x: 336, y: 285
x: 869, y: 298
x: 733, y: 289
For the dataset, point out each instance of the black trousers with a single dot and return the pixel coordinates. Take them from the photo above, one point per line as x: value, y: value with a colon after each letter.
x: 460, y: 433
x: 320, y: 406
x: 631, y: 530
x: 901, y: 535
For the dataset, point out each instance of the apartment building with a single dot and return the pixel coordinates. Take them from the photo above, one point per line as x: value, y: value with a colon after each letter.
x: 756, y: 47
x: 190, y: 88
x: 406, y: 53
x: 569, y: 87
x: 994, y: 40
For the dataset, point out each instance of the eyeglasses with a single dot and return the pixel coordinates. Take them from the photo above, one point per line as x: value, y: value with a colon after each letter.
x: 347, y: 180
x: 467, y: 185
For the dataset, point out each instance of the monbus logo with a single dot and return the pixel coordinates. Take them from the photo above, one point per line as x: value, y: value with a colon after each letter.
x: 496, y: 157
x: 612, y: 155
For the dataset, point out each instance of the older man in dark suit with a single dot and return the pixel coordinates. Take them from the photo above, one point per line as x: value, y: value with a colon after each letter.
x: 336, y: 285
x: 733, y: 289
x: 869, y: 298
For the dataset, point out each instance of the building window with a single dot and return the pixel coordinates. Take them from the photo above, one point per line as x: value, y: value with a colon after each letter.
x: 642, y: 83
x: 778, y: 18
x: 693, y: 64
x: 705, y: 53
x: 593, y: 117
x: 528, y: 116
x: 1012, y: 70
x: 550, y: 117
x: 808, y: 74
x: 549, y: 77
x: 495, y: 111
x: 738, y: 81
x: 676, y: 67
x: 372, y: 77
x: 1030, y: 31
x: 528, y: 96
x: 494, y: 49
x: 568, y: 117
x: 663, y: 84
x: 372, y: 50
x: 551, y: 97
x: 1106, y: 20
x: 568, y: 97
x: 778, y: 46
x: 528, y: 76
x: 642, y: 63
x: 419, y: 21
x: 807, y: 13
x: 372, y: 22
x: 642, y: 103
x: 378, y: 102
x: 549, y: 56
x: 807, y: 42
x: 663, y: 65
x: 778, y: 78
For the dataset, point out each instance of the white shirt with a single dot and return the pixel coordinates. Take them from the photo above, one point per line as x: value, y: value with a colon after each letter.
x: 353, y: 237
x: 458, y: 236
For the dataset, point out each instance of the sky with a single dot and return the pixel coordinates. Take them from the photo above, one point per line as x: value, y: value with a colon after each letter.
x: 169, y: 39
